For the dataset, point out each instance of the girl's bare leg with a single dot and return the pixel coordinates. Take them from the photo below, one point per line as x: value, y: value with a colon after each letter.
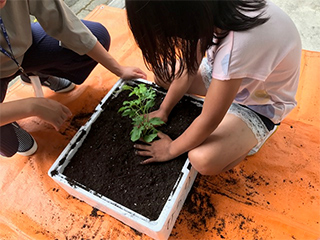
x: 227, y: 146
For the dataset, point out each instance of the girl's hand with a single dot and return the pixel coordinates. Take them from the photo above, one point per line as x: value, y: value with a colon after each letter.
x: 50, y: 111
x: 132, y: 72
x: 158, y: 151
x: 160, y: 114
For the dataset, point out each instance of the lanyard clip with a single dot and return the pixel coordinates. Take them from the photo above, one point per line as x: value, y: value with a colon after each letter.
x: 22, y: 71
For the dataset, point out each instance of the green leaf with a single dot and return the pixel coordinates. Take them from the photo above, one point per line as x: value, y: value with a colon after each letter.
x: 136, y: 102
x: 122, y: 109
x: 142, y: 88
x: 126, y: 103
x: 138, y: 120
x: 135, y: 134
x: 149, y: 104
x: 126, y: 87
x: 128, y: 112
x: 150, y: 94
x: 132, y: 93
x: 150, y: 137
x: 156, y: 121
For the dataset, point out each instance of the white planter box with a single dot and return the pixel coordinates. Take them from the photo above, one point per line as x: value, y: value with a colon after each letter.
x: 158, y: 229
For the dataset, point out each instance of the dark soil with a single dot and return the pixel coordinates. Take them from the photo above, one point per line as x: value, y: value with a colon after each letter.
x: 107, y: 164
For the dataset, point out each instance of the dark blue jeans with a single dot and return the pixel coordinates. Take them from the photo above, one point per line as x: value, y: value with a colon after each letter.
x: 47, y: 57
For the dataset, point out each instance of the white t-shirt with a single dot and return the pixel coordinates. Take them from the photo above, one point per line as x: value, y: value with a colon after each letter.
x: 267, y: 58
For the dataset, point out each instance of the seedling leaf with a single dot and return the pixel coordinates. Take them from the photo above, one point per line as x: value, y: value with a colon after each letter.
x: 135, y: 134
x: 150, y: 137
x: 126, y: 87
x: 156, y: 121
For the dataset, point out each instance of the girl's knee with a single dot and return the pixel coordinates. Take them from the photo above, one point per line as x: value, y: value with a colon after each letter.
x: 203, y: 163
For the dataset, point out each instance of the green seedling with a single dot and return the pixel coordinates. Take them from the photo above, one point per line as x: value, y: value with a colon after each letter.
x: 137, y: 110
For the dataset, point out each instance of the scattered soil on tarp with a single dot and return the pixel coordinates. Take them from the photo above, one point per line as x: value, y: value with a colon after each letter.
x: 107, y: 164
x: 199, y: 204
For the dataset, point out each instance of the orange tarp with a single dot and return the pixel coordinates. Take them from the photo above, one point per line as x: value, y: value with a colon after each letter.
x: 272, y: 195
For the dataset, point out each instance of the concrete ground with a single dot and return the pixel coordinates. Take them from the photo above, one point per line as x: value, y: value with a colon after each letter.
x: 304, y: 13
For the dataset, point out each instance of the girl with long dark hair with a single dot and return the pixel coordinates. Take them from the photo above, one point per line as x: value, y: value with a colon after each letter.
x: 242, y: 55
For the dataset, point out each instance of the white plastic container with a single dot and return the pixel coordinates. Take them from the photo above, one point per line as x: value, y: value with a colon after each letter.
x: 159, y: 229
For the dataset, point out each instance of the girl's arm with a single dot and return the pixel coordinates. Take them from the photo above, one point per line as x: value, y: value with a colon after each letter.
x: 175, y: 92
x: 217, y: 102
x: 219, y: 97
x: 101, y: 55
x: 48, y: 110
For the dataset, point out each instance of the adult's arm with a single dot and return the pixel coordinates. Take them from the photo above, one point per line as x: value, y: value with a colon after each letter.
x: 61, y: 23
x: 175, y: 92
x: 48, y: 110
x: 101, y: 55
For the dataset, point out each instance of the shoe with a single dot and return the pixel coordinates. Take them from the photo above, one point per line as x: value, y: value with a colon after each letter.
x: 257, y: 147
x: 27, y: 144
x: 57, y: 84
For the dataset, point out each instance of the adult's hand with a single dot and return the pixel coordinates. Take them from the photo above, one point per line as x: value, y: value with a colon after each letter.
x: 101, y: 55
x: 132, y: 72
x: 50, y: 111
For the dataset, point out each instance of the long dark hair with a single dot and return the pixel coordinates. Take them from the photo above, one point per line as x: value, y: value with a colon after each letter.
x: 169, y: 31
